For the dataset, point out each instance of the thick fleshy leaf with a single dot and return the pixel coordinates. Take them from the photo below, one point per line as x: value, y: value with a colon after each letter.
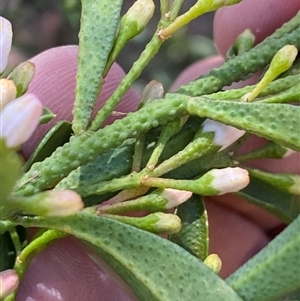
x: 99, y: 23
x: 113, y: 164
x: 193, y: 235
x: 277, y: 122
x: 10, y: 167
x: 155, y: 268
x: 57, y: 136
x: 282, y: 204
x: 273, y: 272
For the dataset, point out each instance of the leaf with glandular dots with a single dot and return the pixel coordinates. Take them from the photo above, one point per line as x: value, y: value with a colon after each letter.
x: 155, y: 268
x: 99, y: 22
x: 274, y: 271
x: 193, y: 235
x: 277, y: 122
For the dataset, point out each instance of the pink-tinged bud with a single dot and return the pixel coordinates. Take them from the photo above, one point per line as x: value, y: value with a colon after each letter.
x: 9, y: 281
x: 19, y: 119
x: 48, y: 203
x: 225, y: 135
x: 175, y: 197
x: 8, y: 92
x: 61, y: 203
x: 228, y: 179
x: 5, y: 42
x: 288, y: 152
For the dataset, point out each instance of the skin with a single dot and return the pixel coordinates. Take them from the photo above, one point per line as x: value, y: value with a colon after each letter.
x: 68, y: 270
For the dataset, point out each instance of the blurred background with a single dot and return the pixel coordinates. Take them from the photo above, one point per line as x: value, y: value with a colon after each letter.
x: 42, y: 24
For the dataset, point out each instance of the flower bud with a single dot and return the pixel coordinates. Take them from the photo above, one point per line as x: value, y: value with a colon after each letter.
x: 8, y: 92
x: 22, y: 76
x: 49, y: 203
x: 158, y: 222
x: 214, y: 182
x: 283, y: 181
x: 19, y: 119
x: 138, y: 16
x: 225, y: 135
x: 280, y: 63
x: 228, y: 179
x: 5, y: 42
x: 153, y: 90
x: 9, y: 281
x: 214, y: 262
x: 288, y: 152
x: 175, y: 197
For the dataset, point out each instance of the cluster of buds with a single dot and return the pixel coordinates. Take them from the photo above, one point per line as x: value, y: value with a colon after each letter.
x: 20, y: 115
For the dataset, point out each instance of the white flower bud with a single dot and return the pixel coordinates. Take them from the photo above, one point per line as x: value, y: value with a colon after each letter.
x: 140, y: 13
x: 19, y: 119
x: 289, y: 152
x: 48, y: 203
x: 8, y: 92
x: 5, y: 42
x: 229, y: 179
x: 225, y: 135
x: 61, y: 203
x: 175, y: 197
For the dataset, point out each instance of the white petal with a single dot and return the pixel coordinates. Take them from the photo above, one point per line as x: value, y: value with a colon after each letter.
x: 225, y: 135
x: 5, y: 42
x: 19, y: 119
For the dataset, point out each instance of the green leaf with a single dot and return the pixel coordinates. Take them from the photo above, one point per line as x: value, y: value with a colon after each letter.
x: 99, y: 22
x: 47, y: 115
x: 155, y: 268
x: 9, y: 171
x: 273, y: 272
x: 7, y: 252
x: 58, y: 135
x: 112, y: 164
x: 275, y: 122
x: 284, y: 205
x: 193, y: 235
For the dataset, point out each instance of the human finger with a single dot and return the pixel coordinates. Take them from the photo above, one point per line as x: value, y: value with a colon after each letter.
x: 261, y: 17
x: 54, y: 83
x: 69, y: 270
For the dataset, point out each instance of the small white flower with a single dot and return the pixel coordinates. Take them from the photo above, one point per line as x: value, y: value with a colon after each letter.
x: 5, y: 42
x: 19, y: 119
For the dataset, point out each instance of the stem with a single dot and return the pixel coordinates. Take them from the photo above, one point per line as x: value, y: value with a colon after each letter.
x: 137, y: 68
x: 15, y: 239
